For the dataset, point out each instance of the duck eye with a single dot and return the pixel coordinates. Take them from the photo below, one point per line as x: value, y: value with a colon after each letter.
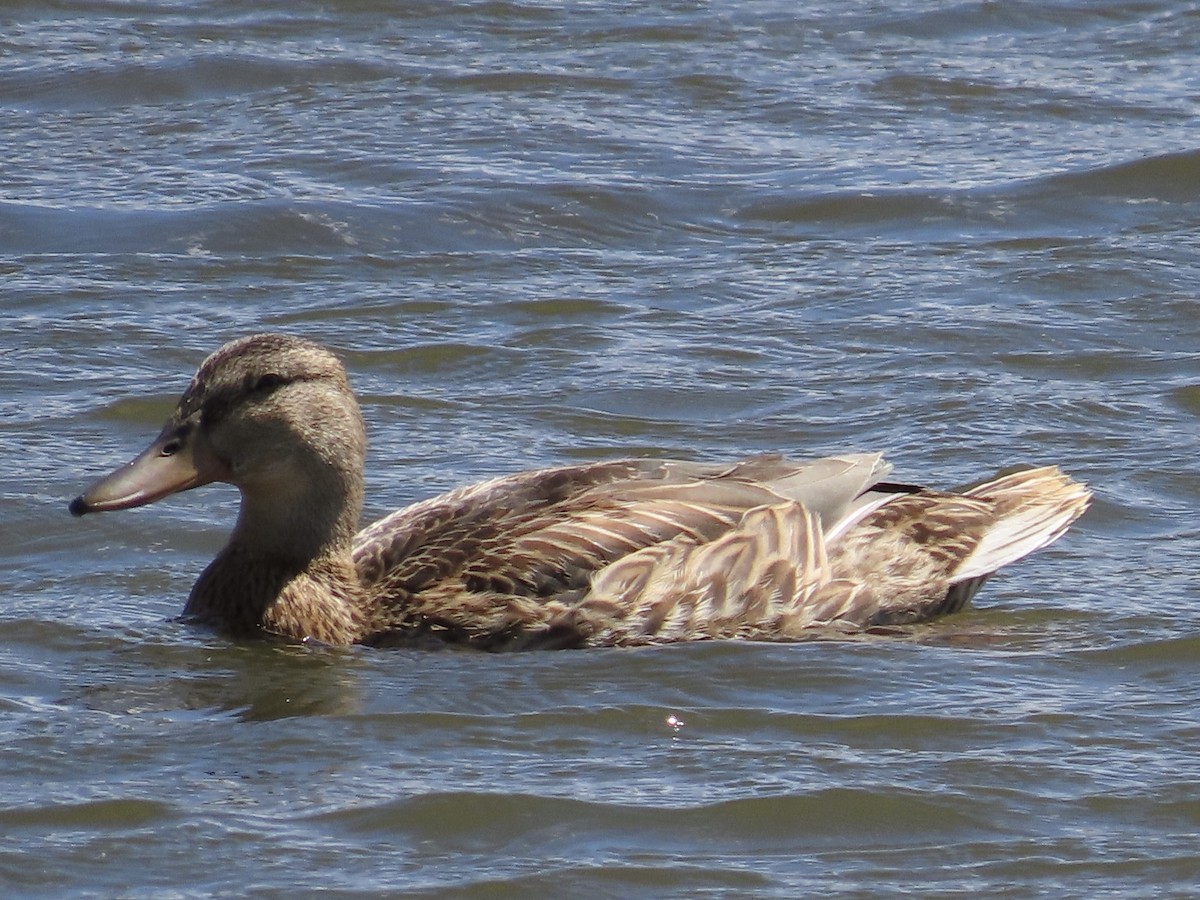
x: 267, y: 382
x: 175, y: 444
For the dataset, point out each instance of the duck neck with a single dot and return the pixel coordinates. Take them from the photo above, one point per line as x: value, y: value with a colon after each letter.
x: 295, y: 525
x: 287, y: 567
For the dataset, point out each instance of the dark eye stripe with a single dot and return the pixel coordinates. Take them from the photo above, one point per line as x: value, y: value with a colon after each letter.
x: 215, y: 405
x: 265, y: 382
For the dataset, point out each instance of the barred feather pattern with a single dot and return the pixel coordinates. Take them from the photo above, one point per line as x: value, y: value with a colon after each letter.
x: 739, y: 585
x: 500, y: 562
x: 609, y: 561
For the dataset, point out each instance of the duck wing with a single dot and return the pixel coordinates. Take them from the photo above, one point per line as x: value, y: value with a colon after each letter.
x: 897, y: 555
x: 513, y: 556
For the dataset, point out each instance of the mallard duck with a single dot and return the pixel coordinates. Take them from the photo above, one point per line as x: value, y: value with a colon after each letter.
x: 631, y: 551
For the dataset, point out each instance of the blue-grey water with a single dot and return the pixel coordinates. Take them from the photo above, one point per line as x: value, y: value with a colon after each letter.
x: 964, y: 233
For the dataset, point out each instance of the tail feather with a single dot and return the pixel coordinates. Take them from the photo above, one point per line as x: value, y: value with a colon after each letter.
x: 1033, y: 509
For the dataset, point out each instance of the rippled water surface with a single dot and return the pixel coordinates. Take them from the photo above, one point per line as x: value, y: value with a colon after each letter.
x: 966, y: 234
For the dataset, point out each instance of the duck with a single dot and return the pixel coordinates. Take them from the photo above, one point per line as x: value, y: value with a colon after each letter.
x: 615, y: 552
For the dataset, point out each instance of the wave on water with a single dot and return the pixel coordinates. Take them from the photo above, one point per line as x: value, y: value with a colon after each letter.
x: 772, y: 823
x: 1079, y: 202
x: 241, y: 215
x: 1169, y: 177
x: 181, y: 79
x: 238, y: 227
x: 233, y: 216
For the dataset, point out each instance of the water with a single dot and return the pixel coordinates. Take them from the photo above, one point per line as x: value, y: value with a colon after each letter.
x: 965, y: 234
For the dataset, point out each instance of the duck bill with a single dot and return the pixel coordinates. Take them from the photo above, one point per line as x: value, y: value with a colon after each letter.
x: 167, y: 466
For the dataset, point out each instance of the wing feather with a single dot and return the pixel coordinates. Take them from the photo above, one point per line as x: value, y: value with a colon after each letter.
x: 740, y: 583
x: 643, y: 551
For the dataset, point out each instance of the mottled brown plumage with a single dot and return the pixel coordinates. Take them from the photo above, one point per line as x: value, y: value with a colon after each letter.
x: 608, y: 553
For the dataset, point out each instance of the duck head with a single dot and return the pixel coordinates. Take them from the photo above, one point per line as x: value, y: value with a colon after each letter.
x: 273, y: 415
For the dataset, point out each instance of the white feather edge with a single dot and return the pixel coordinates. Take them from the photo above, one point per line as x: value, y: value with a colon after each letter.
x: 1052, y: 503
